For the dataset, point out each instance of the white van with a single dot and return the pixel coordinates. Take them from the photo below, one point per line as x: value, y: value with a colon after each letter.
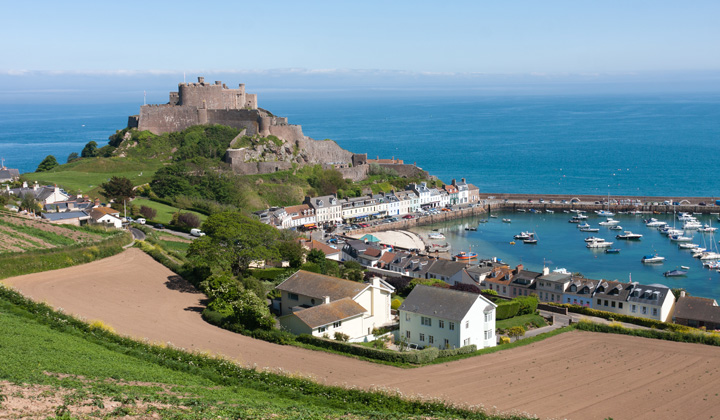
x: 197, y: 232
x: 141, y: 221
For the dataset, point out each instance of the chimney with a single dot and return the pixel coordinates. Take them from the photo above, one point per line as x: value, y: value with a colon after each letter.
x: 25, y: 184
x: 546, y: 271
x: 682, y: 293
x: 97, y: 202
x: 326, y: 299
x: 453, y: 182
x: 463, y: 180
x: 376, y: 281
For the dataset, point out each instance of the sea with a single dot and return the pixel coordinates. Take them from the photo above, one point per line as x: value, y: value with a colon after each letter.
x: 634, y: 144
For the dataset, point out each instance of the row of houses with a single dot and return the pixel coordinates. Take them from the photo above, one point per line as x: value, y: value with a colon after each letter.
x: 323, y: 306
x: 329, y: 209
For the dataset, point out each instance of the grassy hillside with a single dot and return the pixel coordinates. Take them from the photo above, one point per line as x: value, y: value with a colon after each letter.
x: 55, y: 365
x: 164, y: 212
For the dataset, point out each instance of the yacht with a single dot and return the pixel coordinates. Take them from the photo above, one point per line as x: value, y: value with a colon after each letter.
x: 616, y: 227
x: 549, y: 211
x: 605, y: 213
x: 523, y: 235
x: 593, y: 239
x: 652, y: 258
x: 708, y: 255
x: 692, y: 225
x: 653, y: 222
x: 671, y: 232
x: 506, y: 220
x: 580, y: 216
x: 589, y: 229
x: 683, y: 216
x: 687, y: 245
x: 680, y: 238
x: 609, y: 222
x: 707, y: 228
x: 599, y: 244
x: 436, y: 235
x: 629, y: 236
x: 583, y: 225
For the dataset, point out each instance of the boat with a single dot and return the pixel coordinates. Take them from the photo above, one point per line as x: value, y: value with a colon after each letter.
x: 612, y: 251
x: 707, y: 228
x: 675, y: 273
x: 604, y: 213
x: 483, y: 221
x: 493, y: 216
x: 653, y: 222
x: 573, y: 221
x: 708, y: 255
x: 533, y: 211
x: 609, y: 222
x: 472, y: 229
x: 506, y: 220
x: 593, y: 238
x: 531, y: 241
x: 583, y: 225
x: 436, y: 235
x: 684, y: 267
x: 521, y: 210
x: 465, y: 256
x: 680, y: 238
x: 599, y: 244
x: 652, y: 258
x: 589, y: 229
x: 523, y: 235
x: 549, y: 211
x: 616, y: 227
x: 687, y: 245
x: 692, y: 225
x: 627, y: 235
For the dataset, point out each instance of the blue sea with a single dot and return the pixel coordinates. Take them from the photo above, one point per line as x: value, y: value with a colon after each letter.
x: 646, y: 145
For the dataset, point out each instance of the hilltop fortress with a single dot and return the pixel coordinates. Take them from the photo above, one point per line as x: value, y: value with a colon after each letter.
x: 251, y: 153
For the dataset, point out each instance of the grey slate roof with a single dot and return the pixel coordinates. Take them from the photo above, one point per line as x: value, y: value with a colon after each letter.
x: 698, y: 309
x: 65, y: 215
x: 442, y: 303
x: 318, y: 285
x: 320, y: 315
x: 446, y: 268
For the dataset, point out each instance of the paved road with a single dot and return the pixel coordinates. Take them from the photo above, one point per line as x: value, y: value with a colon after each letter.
x: 137, y: 234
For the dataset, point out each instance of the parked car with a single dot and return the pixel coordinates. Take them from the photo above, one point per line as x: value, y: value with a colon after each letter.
x: 446, y: 209
x: 529, y: 200
x: 159, y: 226
x: 141, y: 221
x: 702, y: 203
x: 197, y: 232
x: 408, y: 216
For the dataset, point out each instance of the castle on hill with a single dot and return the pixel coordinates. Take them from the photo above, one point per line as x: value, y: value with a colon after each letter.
x: 206, y: 103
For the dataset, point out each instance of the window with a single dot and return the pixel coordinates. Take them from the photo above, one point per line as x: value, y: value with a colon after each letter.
x: 504, y: 289
x: 466, y: 342
x: 431, y: 339
x: 293, y: 296
x: 452, y: 326
x: 606, y: 303
x: 422, y: 337
x: 488, y: 334
x: 322, y: 329
x: 633, y: 308
x: 488, y: 316
x: 441, y: 323
x: 568, y: 300
x: 446, y: 343
x: 654, y: 311
x: 644, y: 310
x: 407, y: 316
x: 407, y: 334
x: 599, y: 302
x: 620, y: 305
x: 612, y: 304
x: 337, y: 324
x: 426, y: 321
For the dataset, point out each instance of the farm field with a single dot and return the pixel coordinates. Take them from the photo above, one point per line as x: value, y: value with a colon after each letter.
x: 576, y: 375
x: 19, y: 234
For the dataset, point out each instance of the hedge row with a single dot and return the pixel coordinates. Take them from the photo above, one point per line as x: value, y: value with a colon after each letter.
x: 712, y: 339
x: 507, y: 309
x: 455, y: 352
x: 20, y: 263
x: 273, y: 336
x: 645, y: 322
x: 414, y: 357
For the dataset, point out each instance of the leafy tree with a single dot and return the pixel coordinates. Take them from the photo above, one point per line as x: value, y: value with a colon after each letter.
x: 189, y: 220
x: 490, y: 292
x: 48, y: 163
x: 29, y: 204
x: 232, y: 242
x: 516, y: 332
x: 72, y: 156
x: 148, y: 212
x: 677, y: 291
x: 222, y: 289
x: 4, y: 199
x: 254, y: 285
x: 312, y: 267
x: 316, y: 256
x: 292, y: 252
x: 464, y: 287
x: 105, y: 151
x: 118, y: 188
x: 251, y: 312
x: 90, y: 150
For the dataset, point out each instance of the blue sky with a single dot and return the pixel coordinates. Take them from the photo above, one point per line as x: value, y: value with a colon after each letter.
x: 370, y: 42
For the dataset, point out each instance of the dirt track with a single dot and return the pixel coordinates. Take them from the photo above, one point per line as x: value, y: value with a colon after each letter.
x: 576, y: 375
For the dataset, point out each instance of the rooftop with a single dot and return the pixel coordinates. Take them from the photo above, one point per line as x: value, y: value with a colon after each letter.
x: 442, y: 303
x: 318, y: 285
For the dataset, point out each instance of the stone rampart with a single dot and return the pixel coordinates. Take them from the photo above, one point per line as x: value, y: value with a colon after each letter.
x: 409, y: 171
x: 167, y: 118
x: 356, y: 173
x: 287, y: 132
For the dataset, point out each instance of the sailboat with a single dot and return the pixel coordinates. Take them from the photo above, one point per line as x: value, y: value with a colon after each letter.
x: 606, y: 213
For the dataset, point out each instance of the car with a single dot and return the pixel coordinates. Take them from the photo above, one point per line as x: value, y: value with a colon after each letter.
x: 197, y: 232
x: 159, y: 226
x: 575, y: 200
x: 552, y: 201
x: 541, y: 200
x: 446, y: 209
x: 529, y: 200
x: 564, y: 202
x: 702, y: 203
x: 408, y: 216
x: 141, y: 221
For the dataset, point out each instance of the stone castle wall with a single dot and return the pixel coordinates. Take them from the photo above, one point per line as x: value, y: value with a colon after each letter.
x: 405, y: 170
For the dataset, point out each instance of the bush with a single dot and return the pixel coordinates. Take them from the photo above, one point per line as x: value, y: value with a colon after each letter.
x: 461, y: 350
x: 188, y: 220
x: 645, y: 322
x: 528, y: 305
x: 395, y: 304
x: 507, y: 310
x: 148, y: 212
x: 413, y: 357
x: 516, y: 332
x: 504, y: 340
x: 341, y: 337
x: 695, y: 336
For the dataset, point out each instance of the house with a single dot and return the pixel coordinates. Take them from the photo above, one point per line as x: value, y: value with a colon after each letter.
x: 327, y: 208
x: 42, y: 194
x: 523, y: 282
x: 550, y: 287
x: 105, y: 215
x: 452, y: 192
x: 500, y: 280
x: 463, y: 190
x: 612, y: 296
x: 579, y: 292
x: 697, y: 312
x: 473, y: 193
x: 75, y: 218
x: 654, y: 301
x: 445, y: 318
x: 330, y: 252
x: 300, y: 215
x: 8, y: 174
x: 316, y: 304
x: 451, y: 272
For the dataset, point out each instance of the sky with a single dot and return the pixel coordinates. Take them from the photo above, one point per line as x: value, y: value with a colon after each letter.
x: 51, y: 48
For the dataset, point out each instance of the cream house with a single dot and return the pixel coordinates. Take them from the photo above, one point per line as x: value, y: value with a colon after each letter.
x: 445, y: 318
x: 316, y: 304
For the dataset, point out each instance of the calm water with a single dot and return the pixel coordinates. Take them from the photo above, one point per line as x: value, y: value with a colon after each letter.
x: 561, y: 244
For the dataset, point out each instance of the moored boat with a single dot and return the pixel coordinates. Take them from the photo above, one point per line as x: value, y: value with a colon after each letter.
x: 627, y: 235
x: 589, y: 229
x: 601, y: 243
x: 609, y: 222
x: 616, y: 227
x: 436, y: 235
x: 506, y: 220
x: 465, y: 256
x: 612, y: 251
x: 652, y: 258
x: 675, y: 273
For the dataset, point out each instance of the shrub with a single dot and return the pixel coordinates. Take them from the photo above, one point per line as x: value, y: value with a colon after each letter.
x: 395, y: 304
x: 189, y: 220
x: 516, y: 332
x: 528, y: 305
x: 507, y: 310
x: 505, y: 340
x: 461, y: 350
x: 341, y: 337
x: 489, y: 292
x: 148, y: 212
x: 412, y: 357
x: 645, y: 322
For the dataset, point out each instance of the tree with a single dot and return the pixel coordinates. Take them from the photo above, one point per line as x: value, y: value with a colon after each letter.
x: 48, y: 163
x: 316, y: 256
x: 516, y: 332
x: 148, y: 212
x: 292, y: 252
x: 72, y: 156
x: 90, y: 150
x: 189, y: 220
x: 29, y: 204
x: 118, y: 188
x: 251, y: 312
x: 233, y: 241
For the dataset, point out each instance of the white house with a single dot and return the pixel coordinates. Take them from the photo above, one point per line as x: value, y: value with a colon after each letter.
x: 105, y: 215
x: 316, y: 304
x: 327, y: 208
x: 445, y: 318
x: 43, y: 194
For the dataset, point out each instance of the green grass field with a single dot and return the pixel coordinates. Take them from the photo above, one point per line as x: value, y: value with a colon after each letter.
x: 521, y: 321
x: 164, y: 212
x: 71, y: 366
x: 85, y: 175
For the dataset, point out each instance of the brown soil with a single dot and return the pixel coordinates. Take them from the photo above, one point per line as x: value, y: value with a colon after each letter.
x: 23, y: 239
x: 48, y: 227
x: 576, y: 375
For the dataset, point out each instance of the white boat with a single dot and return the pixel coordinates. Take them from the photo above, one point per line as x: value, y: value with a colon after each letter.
x: 523, y: 235
x: 707, y: 228
x: 583, y: 225
x: 593, y: 239
x: 670, y: 231
x: 580, y: 216
x: 605, y: 213
x: 506, y: 220
x: 648, y: 259
x: 683, y: 216
x: 629, y: 236
x: 653, y: 222
x: 616, y: 227
x: 692, y: 225
x: 436, y: 235
x: 709, y: 255
x: 687, y: 245
x: 549, y: 211
x: 680, y: 238
x: 609, y: 222
x: 493, y: 216
x: 589, y: 229
x: 599, y: 244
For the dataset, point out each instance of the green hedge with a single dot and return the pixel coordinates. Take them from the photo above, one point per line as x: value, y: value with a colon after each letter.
x: 528, y: 304
x: 507, y: 309
x: 712, y: 339
x: 645, y: 322
x: 17, y: 264
x: 414, y: 357
x: 273, y: 336
x: 454, y: 352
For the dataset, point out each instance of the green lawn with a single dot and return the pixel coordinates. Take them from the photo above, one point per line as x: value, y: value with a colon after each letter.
x: 164, y: 212
x: 85, y: 175
x: 75, y: 366
x: 522, y: 321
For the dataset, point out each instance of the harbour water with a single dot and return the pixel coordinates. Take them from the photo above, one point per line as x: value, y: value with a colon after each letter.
x: 561, y: 245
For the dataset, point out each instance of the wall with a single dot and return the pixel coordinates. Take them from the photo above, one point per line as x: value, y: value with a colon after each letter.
x: 165, y: 118
x: 409, y: 171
